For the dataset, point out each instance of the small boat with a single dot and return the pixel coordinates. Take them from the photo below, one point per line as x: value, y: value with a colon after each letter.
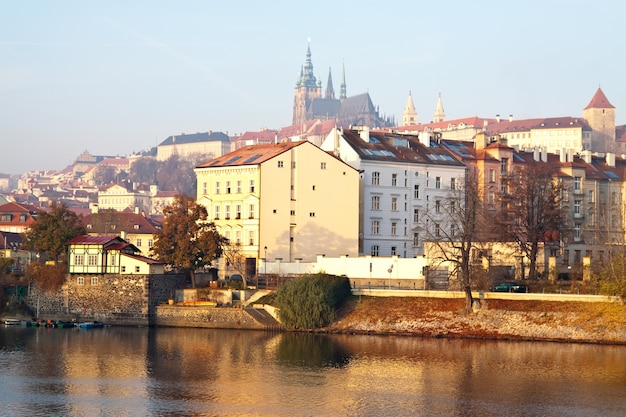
x: 12, y: 322
x: 64, y: 324
x: 91, y: 325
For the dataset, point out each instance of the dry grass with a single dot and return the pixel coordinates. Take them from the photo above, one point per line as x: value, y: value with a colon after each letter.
x: 538, y: 320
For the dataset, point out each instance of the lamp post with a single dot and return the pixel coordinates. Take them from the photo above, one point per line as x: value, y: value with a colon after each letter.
x: 265, y: 266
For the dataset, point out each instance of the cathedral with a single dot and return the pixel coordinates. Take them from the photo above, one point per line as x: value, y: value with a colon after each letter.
x: 308, y: 103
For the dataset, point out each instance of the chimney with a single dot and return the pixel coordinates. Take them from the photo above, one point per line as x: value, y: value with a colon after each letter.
x: 497, y: 118
x: 586, y: 155
x: 510, y: 117
x: 364, y: 133
x: 563, y: 155
x: 536, y: 154
x: 544, y: 153
x: 424, y: 138
x: 610, y: 159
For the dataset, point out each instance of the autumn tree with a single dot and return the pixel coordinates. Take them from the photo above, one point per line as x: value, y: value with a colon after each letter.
x: 186, y: 239
x: 52, y: 229
x: 452, y: 225
x: 530, y: 211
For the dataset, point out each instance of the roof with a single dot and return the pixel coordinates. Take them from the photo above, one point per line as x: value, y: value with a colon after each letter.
x: 599, y: 101
x: 128, y: 222
x: 250, y: 155
x: 145, y: 259
x: 91, y: 240
x: 384, y: 146
x: 525, y: 125
x: 196, y: 137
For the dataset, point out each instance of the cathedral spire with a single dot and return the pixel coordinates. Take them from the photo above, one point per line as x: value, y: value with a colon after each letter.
x: 440, y: 115
x: 342, y: 92
x: 409, y: 115
x: 330, y: 91
x: 308, y: 78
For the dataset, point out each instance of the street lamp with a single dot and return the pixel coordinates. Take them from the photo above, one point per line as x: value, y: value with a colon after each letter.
x: 265, y: 266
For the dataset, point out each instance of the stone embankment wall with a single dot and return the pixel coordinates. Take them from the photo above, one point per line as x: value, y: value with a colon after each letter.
x: 205, y: 317
x: 112, y: 299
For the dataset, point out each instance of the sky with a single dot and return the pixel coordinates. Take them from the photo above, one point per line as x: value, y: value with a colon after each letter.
x: 116, y: 77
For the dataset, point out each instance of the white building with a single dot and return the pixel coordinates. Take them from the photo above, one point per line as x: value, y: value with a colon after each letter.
x: 401, y: 178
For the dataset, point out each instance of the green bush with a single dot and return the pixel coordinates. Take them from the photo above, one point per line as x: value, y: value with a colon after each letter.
x: 311, y: 301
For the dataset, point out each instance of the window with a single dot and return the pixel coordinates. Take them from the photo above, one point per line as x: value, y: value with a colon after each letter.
x: 92, y: 260
x: 576, y: 232
x: 323, y: 165
x: 227, y: 187
x: 591, y: 197
x: 416, y: 215
x: 227, y: 211
x: 238, y: 211
x: 437, y: 182
x: 94, y: 280
x: 438, y: 206
x: 452, y: 206
x: 375, y: 227
x: 394, y: 203
x: 79, y: 260
x: 138, y: 243
x: 204, y: 188
x: 293, y: 164
x: 251, y: 211
x: 217, y: 212
x: 576, y: 208
x: 251, y: 186
x: 292, y: 212
x: 238, y: 237
x: 394, y: 180
x: 504, y: 166
x: 137, y: 269
x: 312, y: 214
x: 114, y: 258
x: 394, y: 228
x: 453, y: 230
x: 375, y: 250
x: 150, y: 244
x: 239, y: 187
x: 280, y: 164
x: 375, y: 202
x: 251, y: 237
x: 453, y: 183
x: 375, y: 178
x: 416, y: 191
x: 394, y: 251
x: 491, y: 197
x: 217, y: 187
x: 123, y: 268
x: 577, y: 189
x: 437, y: 230
x: 416, y: 240
x: 80, y: 281
x: 565, y: 195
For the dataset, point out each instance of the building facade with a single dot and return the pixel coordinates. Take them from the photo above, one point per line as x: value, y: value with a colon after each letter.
x: 285, y: 201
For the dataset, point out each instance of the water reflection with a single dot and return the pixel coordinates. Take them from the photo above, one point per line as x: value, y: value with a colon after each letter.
x: 145, y: 372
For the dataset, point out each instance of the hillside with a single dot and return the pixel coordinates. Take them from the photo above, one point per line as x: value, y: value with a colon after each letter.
x: 498, y: 319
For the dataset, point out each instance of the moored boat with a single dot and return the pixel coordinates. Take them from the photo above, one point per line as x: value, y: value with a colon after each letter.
x: 12, y: 322
x: 90, y: 325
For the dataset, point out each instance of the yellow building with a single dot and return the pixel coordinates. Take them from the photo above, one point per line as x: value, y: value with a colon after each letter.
x: 285, y: 201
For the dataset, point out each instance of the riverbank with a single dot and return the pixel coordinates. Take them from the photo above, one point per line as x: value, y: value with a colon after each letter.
x: 496, y: 319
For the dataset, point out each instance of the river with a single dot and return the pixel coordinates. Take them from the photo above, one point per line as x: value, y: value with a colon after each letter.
x: 132, y: 371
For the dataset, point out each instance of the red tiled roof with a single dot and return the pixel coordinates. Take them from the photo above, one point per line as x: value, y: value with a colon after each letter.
x: 250, y: 155
x: 599, y: 101
x: 90, y: 240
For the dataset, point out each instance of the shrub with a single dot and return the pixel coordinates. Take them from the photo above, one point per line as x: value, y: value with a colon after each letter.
x: 310, y: 301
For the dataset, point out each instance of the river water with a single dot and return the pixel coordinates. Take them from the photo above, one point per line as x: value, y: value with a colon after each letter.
x: 131, y: 371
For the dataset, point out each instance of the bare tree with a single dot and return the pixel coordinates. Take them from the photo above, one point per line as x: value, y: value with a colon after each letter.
x: 453, y: 226
x: 530, y: 210
x: 235, y: 258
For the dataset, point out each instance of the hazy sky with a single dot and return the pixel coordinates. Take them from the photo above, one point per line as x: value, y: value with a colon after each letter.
x: 115, y: 77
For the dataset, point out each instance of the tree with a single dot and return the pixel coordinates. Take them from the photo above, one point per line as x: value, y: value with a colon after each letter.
x: 612, y: 275
x: 531, y: 212
x: 52, y: 229
x: 452, y: 225
x: 176, y: 173
x: 144, y: 170
x: 186, y: 239
x: 232, y: 253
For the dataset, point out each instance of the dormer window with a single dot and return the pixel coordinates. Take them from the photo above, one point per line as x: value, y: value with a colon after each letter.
x: 89, y: 227
x: 136, y: 227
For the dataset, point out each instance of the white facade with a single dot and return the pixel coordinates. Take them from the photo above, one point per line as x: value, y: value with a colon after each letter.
x: 394, y: 192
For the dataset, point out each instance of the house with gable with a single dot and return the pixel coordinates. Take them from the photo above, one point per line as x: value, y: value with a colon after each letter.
x: 289, y: 201
x: 16, y: 218
x: 131, y: 226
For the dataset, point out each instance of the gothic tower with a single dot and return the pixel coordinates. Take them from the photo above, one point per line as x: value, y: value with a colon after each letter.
x: 307, y: 89
x: 600, y: 114
x: 342, y: 92
x: 439, y: 115
x: 330, y: 91
x: 409, y: 115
